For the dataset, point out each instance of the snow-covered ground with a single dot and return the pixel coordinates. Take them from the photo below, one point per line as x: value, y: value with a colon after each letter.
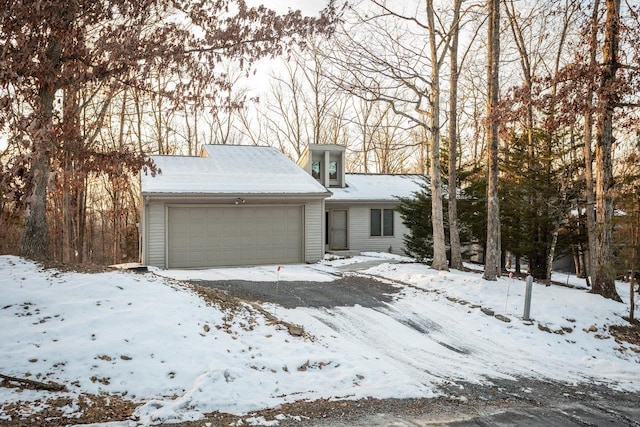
x: 154, y: 340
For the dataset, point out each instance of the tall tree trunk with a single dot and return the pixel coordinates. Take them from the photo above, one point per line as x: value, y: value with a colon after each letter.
x: 437, y: 216
x: 72, y: 181
x: 604, y: 283
x: 82, y: 220
x: 35, y: 237
x: 590, y: 211
x: 115, y: 242
x: 552, y: 251
x: 635, y: 243
x: 575, y: 253
x: 454, y: 232
x: 492, y: 260
x: 67, y: 222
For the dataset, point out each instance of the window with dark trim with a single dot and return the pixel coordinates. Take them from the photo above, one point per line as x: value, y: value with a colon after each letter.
x: 381, y: 222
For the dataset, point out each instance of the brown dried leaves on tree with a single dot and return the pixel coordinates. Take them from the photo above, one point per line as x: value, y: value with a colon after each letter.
x: 50, y: 48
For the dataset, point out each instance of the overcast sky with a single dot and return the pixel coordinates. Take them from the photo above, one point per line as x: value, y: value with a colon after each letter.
x: 308, y: 7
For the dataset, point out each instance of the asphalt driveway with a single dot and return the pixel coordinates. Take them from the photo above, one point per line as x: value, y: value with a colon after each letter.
x: 347, y: 291
x: 526, y: 402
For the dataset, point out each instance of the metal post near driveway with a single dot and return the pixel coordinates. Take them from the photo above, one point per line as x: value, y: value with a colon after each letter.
x: 277, y: 284
x: 527, y: 298
x: 506, y: 304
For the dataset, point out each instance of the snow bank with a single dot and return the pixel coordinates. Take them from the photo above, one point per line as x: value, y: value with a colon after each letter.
x: 155, y: 341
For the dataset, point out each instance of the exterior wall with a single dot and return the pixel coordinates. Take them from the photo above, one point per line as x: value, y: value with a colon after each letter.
x: 359, y: 230
x: 155, y: 228
x: 155, y: 231
x: 305, y: 162
x: 313, y: 226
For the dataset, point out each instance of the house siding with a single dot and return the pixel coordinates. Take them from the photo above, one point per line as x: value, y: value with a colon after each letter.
x: 360, y: 227
x: 313, y: 225
x: 156, y: 234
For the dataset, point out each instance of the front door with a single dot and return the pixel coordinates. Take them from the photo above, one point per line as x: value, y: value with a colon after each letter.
x: 338, y: 235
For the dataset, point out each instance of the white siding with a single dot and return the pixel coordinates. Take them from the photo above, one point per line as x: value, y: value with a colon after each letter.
x: 314, y: 236
x: 360, y: 229
x: 155, y: 233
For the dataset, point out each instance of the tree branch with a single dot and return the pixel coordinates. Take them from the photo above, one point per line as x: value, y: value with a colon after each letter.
x: 50, y: 386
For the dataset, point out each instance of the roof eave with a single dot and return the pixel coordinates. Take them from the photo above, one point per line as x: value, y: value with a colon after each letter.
x: 362, y: 201
x: 177, y: 195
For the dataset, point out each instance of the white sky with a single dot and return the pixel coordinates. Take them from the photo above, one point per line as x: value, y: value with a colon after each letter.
x: 307, y: 7
x: 179, y: 357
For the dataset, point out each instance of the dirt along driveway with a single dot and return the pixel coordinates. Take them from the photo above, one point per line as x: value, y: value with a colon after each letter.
x: 525, y: 402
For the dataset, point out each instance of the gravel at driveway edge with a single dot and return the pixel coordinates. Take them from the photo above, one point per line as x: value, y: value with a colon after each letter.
x: 523, y: 402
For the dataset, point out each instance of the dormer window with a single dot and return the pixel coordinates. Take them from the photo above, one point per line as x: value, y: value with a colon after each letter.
x: 315, y: 169
x: 325, y: 163
x: 333, y: 170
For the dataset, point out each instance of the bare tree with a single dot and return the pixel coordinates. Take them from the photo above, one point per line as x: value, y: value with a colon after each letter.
x: 366, y: 122
x: 542, y: 128
x: 391, y: 56
x: 163, y: 118
x: 454, y: 232
x: 492, y: 260
x: 46, y: 49
x: 590, y: 212
x: 605, y: 275
x: 303, y: 107
x: 285, y: 115
x: 437, y: 217
x: 391, y: 146
x: 219, y: 115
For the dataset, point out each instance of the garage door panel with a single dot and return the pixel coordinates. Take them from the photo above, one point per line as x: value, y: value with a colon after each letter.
x: 246, y: 240
x: 230, y: 256
x: 214, y: 253
x: 213, y: 225
x: 228, y: 236
x: 181, y: 242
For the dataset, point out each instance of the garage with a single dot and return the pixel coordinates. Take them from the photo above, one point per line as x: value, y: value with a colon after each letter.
x: 212, y: 236
x: 231, y: 205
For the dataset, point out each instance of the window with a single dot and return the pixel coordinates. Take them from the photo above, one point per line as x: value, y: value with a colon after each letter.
x: 315, y: 169
x: 381, y: 222
x: 333, y: 170
x: 387, y: 223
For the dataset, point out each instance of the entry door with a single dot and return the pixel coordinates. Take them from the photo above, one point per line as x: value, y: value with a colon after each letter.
x: 339, y: 229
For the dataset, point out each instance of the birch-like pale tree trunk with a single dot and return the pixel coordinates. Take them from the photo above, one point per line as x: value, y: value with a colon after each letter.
x: 437, y: 216
x: 454, y: 232
x: 492, y: 259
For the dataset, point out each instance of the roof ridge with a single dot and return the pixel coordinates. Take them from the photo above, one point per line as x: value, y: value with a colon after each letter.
x: 239, y: 145
x: 385, y: 174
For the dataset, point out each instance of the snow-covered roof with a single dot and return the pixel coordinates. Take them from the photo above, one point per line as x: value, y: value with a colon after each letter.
x: 231, y: 169
x: 363, y: 187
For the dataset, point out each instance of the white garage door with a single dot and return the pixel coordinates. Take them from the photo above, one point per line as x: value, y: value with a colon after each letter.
x: 229, y: 236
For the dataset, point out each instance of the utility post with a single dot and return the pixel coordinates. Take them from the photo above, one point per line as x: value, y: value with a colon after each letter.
x: 527, y: 298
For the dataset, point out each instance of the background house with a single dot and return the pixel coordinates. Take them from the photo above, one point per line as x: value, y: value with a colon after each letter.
x: 247, y: 205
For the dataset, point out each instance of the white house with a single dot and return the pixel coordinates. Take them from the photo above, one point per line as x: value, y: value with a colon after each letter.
x: 246, y: 205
